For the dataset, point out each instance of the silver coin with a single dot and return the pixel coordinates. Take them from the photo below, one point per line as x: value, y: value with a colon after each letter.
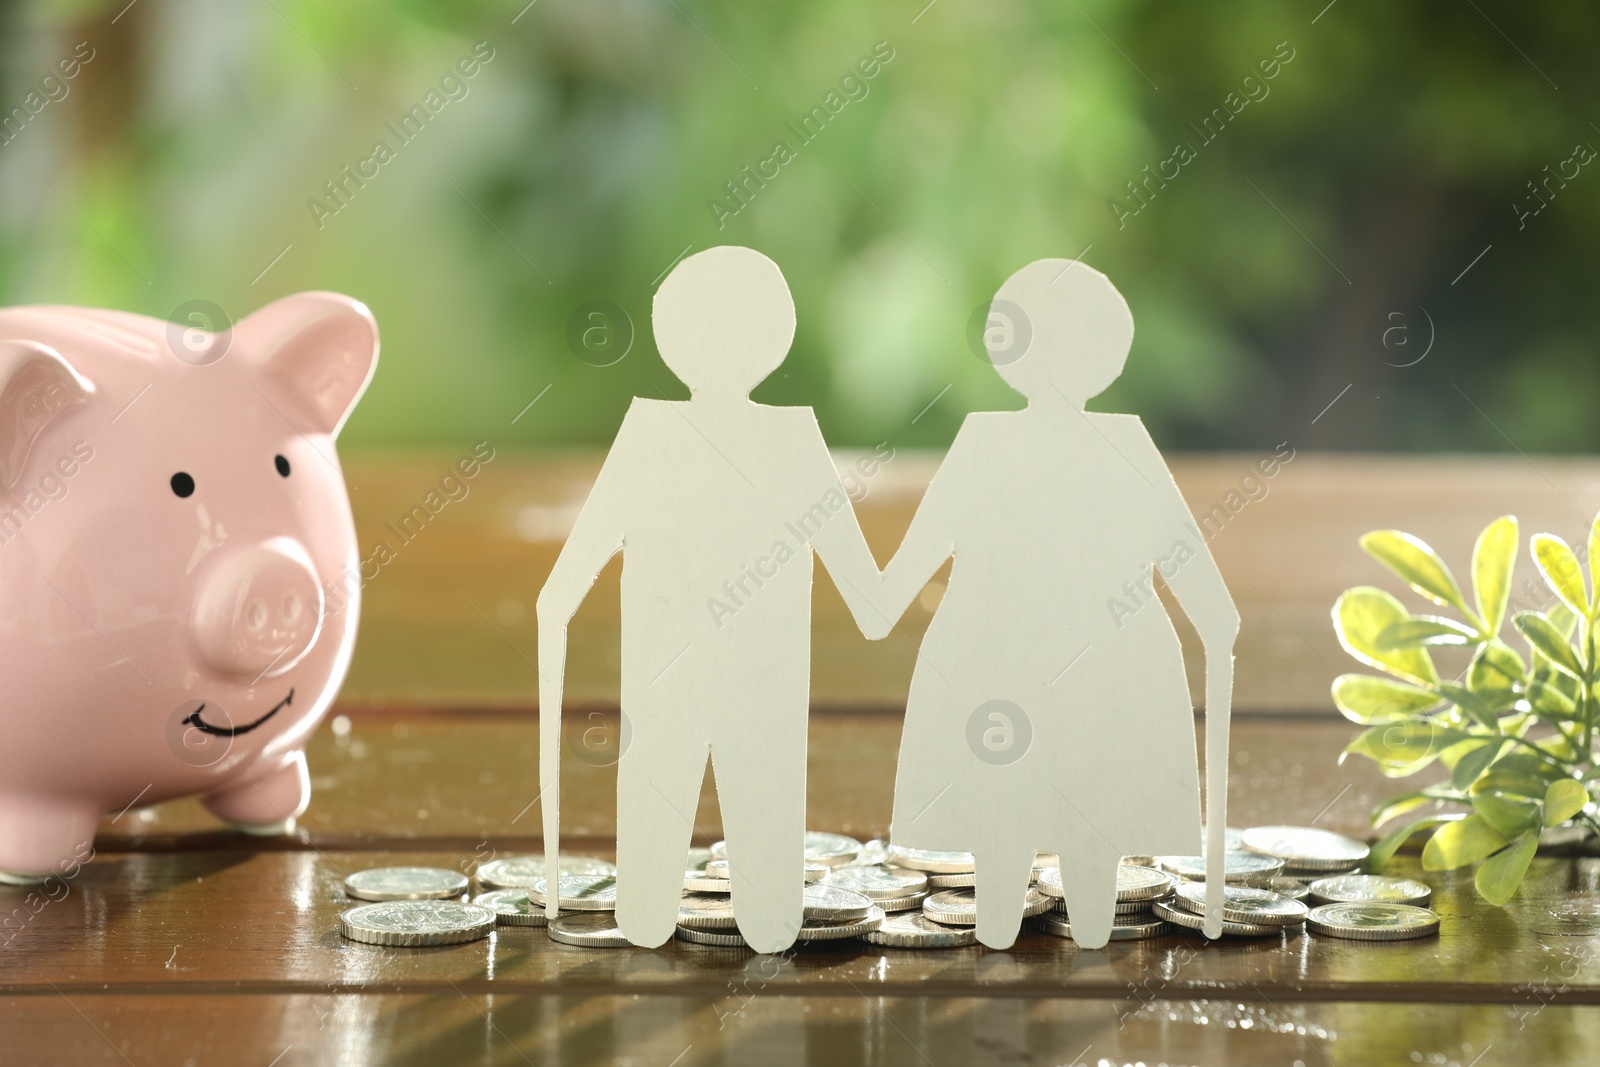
x: 908, y: 903
x: 878, y: 883
x: 720, y: 938
x: 830, y: 930
x: 831, y: 850
x: 520, y: 872
x: 1124, y: 907
x: 1138, y: 882
x: 699, y: 882
x: 581, y: 892
x: 1129, y: 929
x: 959, y: 907
x: 1190, y: 921
x: 706, y: 911
x: 512, y: 907
x: 1133, y: 883
x: 1311, y: 874
x: 1306, y: 847
x: 594, y: 930
x: 913, y: 929
x: 966, y: 879
x: 933, y: 862
x: 1374, y: 922
x: 413, y: 923
x: 874, y: 853
x: 718, y: 868
x: 834, y: 904
x: 1292, y: 888
x: 405, y: 883
x: 1243, y: 904
x: 1240, y: 868
x: 1369, y: 888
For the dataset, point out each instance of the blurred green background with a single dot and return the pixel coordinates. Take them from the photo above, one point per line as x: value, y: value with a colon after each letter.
x: 1388, y: 167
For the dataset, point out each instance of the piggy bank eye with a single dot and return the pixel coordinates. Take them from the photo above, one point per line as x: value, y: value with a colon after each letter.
x: 282, y: 464
x: 182, y: 484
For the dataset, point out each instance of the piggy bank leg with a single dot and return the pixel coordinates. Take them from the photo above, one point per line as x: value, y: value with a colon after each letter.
x: 268, y: 805
x: 42, y: 836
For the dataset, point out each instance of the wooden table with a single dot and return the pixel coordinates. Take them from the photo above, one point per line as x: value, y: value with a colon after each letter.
x: 184, y: 943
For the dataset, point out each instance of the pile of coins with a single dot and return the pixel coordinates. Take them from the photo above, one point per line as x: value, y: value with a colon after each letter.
x: 1140, y: 888
x: 912, y: 898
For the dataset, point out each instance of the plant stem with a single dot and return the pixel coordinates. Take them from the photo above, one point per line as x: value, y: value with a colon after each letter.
x: 1594, y: 827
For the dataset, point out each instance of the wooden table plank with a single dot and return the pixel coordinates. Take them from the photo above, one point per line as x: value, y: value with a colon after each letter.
x: 197, y: 923
x: 450, y: 619
x: 460, y: 779
x: 557, y: 1030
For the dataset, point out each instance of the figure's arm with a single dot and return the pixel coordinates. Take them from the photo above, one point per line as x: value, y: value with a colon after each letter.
x: 596, y: 536
x: 930, y: 540
x: 1204, y: 597
x: 840, y: 544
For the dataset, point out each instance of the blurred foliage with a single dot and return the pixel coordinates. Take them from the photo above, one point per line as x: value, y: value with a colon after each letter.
x: 1356, y: 184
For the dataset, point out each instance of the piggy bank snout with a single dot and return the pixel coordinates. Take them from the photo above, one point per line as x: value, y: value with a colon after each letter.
x: 257, y: 609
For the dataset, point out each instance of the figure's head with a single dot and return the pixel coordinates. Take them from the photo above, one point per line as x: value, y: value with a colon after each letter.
x: 724, y: 320
x: 1079, y: 331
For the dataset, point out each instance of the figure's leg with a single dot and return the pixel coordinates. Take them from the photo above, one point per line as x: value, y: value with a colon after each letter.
x: 43, y: 836
x: 1004, y: 870
x: 658, y: 790
x: 762, y: 788
x: 1089, y: 883
x: 267, y: 805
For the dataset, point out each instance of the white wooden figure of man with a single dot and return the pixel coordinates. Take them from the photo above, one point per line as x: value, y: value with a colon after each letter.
x: 716, y: 504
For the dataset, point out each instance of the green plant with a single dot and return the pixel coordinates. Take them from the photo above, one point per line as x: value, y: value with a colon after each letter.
x: 1517, y: 736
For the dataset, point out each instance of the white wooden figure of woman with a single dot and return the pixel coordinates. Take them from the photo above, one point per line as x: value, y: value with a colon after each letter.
x: 1049, y: 708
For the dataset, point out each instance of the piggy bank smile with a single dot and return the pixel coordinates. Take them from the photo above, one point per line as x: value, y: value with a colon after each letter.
x: 179, y: 577
x: 200, y: 724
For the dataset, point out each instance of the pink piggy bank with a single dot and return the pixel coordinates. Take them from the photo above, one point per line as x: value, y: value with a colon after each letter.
x: 178, y: 592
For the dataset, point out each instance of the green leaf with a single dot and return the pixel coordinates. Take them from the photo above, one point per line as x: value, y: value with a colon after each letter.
x: 1382, y: 852
x: 1500, y: 875
x: 1550, y: 642
x: 1563, y: 619
x: 1495, y: 666
x: 1426, y: 631
x: 1492, y: 560
x: 1565, y: 799
x: 1475, y: 762
x: 1456, y: 844
x: 1594, y: 563
x: 1360, y: 615
x: 1521, y: 772
x: 1551, y: 704
x: 1417, y: 564
x: 1510, y: 815
x: 1369, y: 699
x: 1395, y: 807
x: 1561, y: 571
x: 1405, y: 747
x: 1485, y: 708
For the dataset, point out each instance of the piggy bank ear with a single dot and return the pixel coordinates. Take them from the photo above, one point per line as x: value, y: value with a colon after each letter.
x: 317, y: 351
x: 36, y: 386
